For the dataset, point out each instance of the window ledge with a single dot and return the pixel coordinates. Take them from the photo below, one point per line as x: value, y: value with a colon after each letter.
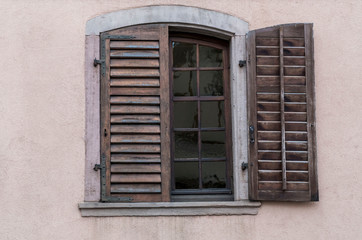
x: 96, y: 209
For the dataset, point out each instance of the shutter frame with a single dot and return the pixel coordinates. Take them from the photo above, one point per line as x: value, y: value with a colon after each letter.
x: 138, y: 96
x: 261, y: 70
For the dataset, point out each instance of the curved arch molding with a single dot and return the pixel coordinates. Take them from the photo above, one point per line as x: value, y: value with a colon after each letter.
x: 166, y: 14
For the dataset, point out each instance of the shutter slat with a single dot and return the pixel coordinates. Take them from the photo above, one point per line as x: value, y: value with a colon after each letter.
x: 280, y: 96
x: 126, y: 82
x: 136, y: 178
x: 135, y: 119
x: 135, y: 63
x: 136, y: 188
x: 136, y: 168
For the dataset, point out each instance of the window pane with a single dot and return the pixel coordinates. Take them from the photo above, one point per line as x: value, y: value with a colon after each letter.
x: 184, y: 54
x: 213, y: 175
x: 213, y: 144
x: 210, y: 57
x: 186, y: 175
x: 186, y: 145
x: 184, y: 83
x: 211, y: 83
x: 185, y: 115
x: 212, y: 114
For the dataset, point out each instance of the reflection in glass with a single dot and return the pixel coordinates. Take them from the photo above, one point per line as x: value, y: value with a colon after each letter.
x: 212, y: 114
x: 186, y: 145
x: 211, y: 83
x: 184, y: 83
x: 184, y: 54
x: 213, y: 175
x: 186, y: 175
x: 185, y: 115
x: 213, y: 144
x: 210, y: 57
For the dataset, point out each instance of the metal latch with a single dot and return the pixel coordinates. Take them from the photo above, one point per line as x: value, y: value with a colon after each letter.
x: 96, y: 62
x: 242, y: 63
x: 244, y: 166
x: 97, y: 167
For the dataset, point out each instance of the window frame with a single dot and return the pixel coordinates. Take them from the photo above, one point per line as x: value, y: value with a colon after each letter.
x: 230, y: 28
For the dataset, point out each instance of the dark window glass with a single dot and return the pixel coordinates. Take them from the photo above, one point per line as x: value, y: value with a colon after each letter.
x: 213, y: 175
x: 211, y: 83
x: 186, y: 175
x: 212, y: 114
x: 185, y: 115
x: 184, y: 83
x: 186, y: 145
x: 184, y: 54
x: 210, y: 57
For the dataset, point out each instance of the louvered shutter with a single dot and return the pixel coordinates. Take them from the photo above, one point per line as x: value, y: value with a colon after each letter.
x: 134, y: 101
x: 282, y: 163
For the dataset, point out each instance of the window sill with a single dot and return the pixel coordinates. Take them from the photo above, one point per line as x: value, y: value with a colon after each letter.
x: 96, y: 209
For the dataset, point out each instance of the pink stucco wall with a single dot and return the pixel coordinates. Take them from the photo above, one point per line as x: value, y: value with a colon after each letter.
x: 42, y: 111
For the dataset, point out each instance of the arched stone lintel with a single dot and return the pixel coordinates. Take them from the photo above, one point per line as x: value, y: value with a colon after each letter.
x: 167, y: 14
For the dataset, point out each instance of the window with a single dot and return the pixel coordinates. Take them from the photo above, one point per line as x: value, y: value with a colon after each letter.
x: 271, y: 119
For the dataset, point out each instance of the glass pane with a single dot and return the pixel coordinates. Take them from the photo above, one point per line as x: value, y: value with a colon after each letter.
x: 185, y: 115
x: 186, y: 175
x: 212, y: 114
x: 213, y: 144
x: 211, y: 83
x: 213, y: 175
x: 210, y: 57
x: 186, y: 145
x: 184, y: 83
x: 184, y: 54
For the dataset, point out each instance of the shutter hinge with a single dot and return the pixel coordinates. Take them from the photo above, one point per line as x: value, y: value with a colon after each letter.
x: 96, y: 62
x: 242, y: 63
x: 97, y: 167
x: 244, y: 166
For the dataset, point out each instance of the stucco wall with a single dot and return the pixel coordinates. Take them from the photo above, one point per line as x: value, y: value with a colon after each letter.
x: 42, y: 111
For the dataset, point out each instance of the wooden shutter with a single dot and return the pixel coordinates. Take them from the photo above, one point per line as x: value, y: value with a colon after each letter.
x: 282, y: 163
x: 134, y: 114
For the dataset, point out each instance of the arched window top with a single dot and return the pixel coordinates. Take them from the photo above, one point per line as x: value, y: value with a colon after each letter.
x: 167, y: 14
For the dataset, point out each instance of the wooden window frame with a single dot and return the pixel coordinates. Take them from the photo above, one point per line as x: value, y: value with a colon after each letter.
x: 224, y: 46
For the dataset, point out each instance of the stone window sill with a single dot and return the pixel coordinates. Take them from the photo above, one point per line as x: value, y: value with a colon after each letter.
x: 96, y: 209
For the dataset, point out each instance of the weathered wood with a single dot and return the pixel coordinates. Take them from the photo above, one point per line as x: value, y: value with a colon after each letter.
x: 293, y: 42
x: 268, y: 145
x: 269, y: 135
x: 135, y: 138
x: 135, y: 63
x: 134, y: 54
x: 268, y: 106
x: 135, y: 100
x: 134, y: 72
x: 134, y: 44
x: 294, y: 71
x: 134, y: 109
x: 135, y: 129
x: 288, y: 51
x: 267, y: 70
x: 268, y: 116
x: 277, y: 165
x: 267, y: 51
x: 136, y: 178
x: 302, y: 186
x: 276, y: 175
x: 269, y: 125
x: 127, y: 82
x: 268, y: 97
x: 290, y: 97
x: 136, y: 168
x: 292, y: 60
x: 267, y: 60
x: 296, y: 126
x: 268, y: 80
x: 135, y: 91
x: 294, y: 89
x: 295, y: 107
x: 297, y: 146
x: 135, y: 119
x: 136, y: 188
x: 267, y: 41
x: 296, y: 136
x: 288, y: 80
x: 135, y: 158
x: 135, y: 148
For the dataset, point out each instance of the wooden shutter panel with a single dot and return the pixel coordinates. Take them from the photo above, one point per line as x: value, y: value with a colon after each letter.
x: 134, y: 113
x: 282, y: 163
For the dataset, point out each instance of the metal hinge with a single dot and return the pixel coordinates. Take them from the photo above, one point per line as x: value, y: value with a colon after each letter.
x: 96, y: 62
x: 97, y: 167
x: 244, y: 166
x: 242, y: 63
x: 251, y: 134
